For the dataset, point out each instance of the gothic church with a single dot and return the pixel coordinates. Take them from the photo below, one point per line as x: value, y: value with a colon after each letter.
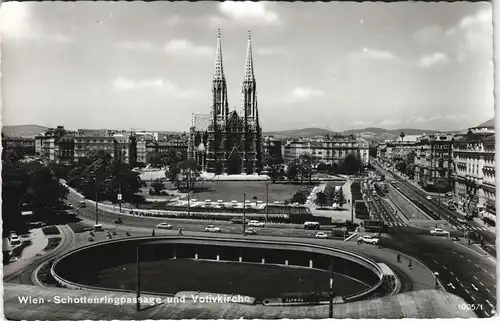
x: 225, y: 141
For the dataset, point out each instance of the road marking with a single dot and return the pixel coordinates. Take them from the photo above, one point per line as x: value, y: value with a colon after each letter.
x: 489, y: 303
x: 445, y: 267
x: 488, y: 290
x: 487, y: 314
x: 481, y: 283
x: 454, y: 252
x: 457, y: 279
x: 476, y: 264
x: 461, y: 256
x: 462, y: 285
x: 451, y: 286
x: 475, y: 277
x: 467, y: 291
x: 473, y: 298
x: 474, y: 287
x: 451, y: 273
x: 492, y: 259
x: 484, y: 270
x: 435, y: 261
x: 469, y: 260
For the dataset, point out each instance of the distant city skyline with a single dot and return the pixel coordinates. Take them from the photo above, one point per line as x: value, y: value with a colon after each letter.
x: 149, y: 66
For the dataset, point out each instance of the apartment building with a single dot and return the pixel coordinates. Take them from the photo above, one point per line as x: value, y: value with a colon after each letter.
x: 434, y: 161
x: 329, y: 149
x: 474, y: 157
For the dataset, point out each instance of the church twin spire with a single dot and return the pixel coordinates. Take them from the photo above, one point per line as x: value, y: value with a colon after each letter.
x: 249, y: 75
x: 219, y: 71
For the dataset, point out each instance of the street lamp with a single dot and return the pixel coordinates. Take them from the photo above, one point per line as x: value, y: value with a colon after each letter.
x: 96, y: 185
x: 244, y: 211
x: 436, y: 274
x: 331, y: 294
x: 267, y: 201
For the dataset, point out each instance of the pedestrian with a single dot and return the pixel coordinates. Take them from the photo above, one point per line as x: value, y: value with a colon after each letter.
x: 410, y: 264
x: 180, y: 230
x: 153, y: 233
x: 399, y: 258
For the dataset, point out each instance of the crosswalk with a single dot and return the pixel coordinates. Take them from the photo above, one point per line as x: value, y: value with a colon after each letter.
x: 473, y: 228
x: 394, y: 224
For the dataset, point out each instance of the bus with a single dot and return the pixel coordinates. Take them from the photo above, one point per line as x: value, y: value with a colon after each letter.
x: 374, y: 225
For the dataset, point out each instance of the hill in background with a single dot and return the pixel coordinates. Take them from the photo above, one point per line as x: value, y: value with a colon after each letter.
x: 29, y: 131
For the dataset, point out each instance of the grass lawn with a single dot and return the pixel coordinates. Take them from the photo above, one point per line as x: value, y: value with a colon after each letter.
x: 51, y: 230
x: 228, y: 191
x: 255, y: 280
x: 16, y: 252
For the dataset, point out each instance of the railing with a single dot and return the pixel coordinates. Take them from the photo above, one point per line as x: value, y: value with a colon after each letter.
x: 294, y: 246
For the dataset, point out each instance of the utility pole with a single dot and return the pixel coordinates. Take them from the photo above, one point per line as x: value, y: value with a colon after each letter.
x: 96, y: 200
x: 330, y: 310
x: 138, y: 284
x: 189, y: 196
x: 267, y: 201
x: 120, y: 197
x: 244, y: 211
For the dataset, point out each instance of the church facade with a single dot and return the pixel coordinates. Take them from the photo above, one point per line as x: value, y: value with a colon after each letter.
x: 226, y: 141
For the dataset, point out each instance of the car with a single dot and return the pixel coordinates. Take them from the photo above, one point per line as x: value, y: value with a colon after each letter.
x: 250, y: 231
x: 428, y: 198
x: 455, y: 238
x: 439, y: 232
x: 236, y: 221
x: 256, y: 224
x: 14, y: 239
x: 164, y: 226
x: 368, y: 239
x: 461, y: 220
x: 321, y: 235
x: 98, y: 228
x: 212, y: 228
x: 118, y: 221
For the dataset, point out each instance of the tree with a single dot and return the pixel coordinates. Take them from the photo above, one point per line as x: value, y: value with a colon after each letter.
x: 255, y: 198
x: 306, y: 163
x: 15, y: 182
x: 156, y: 160
x: 299, y: 197
x: 273, y: 166
x: 351, y: 164
x: 333, y: 168
x: 402, y: 135
x: 189, y: 172
x: 158, y: 185
x: 340, y: 197
x: 218, y: 167
x: 321, y: 199
x: 322, y: 168
x: 293, y: 172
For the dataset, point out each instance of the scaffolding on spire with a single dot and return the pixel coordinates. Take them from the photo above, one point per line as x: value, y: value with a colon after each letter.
x: 249, y: 75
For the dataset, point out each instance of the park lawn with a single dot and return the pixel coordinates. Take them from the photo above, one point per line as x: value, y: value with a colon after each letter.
x: 233, y: 190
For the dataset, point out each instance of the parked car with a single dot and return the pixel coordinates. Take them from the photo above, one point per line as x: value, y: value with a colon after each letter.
x: 254, y: 223
x: 428, y: 198
x: 321, y: 235
x: 461, y: 220
x: 439, y: 232
x: 455, y: 238
x: 236, y: 221
x: 250, y: 231
x: 368, y: 239
x: 118, y: 221
x: 212, y: 228
x: 14, y: 239
x: 164, y: 226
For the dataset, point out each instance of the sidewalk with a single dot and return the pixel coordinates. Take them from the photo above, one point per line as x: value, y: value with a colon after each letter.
x: 38, y: 242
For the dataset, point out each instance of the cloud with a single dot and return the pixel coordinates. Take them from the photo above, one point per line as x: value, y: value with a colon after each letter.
x: 186, y: 47
x: 248, y: 11
x: 271, y: 51
x: 390, y: 122
x: 17, y: 23
x: 471, y: 37
x: 158, y: 84
x: 432, y: 59
x: 361, y: 123
x: 137, y: 45
x: 303, y: 94
x: 373, y: 54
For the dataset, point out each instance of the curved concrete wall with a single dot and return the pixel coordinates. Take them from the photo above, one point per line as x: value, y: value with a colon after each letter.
x: 67, y: 270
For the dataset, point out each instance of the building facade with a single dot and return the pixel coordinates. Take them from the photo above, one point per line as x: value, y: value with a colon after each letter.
x: 474, y: 156
x: 331, y: 149
x: 225, y: 138
x: 434, y: 161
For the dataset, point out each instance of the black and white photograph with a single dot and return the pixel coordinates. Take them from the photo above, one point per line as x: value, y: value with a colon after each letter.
x: 248, y: 160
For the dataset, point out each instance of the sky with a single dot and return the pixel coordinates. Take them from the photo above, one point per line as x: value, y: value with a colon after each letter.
x: 338, y: 66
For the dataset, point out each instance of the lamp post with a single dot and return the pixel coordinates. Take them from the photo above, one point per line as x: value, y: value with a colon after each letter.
x: 267, y: 201
x: 244, y: 211
x: 436, y: 274
x: 138, y: 284
x: 96, y: 184
x: 330, y: 309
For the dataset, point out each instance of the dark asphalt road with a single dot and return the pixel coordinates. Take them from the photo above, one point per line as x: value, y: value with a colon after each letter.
x: 463, y: 272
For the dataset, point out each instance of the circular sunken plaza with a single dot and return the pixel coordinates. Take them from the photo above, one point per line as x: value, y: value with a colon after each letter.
x: 262, y: 270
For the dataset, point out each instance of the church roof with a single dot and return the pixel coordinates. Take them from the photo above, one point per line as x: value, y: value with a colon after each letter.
x: 200, y: 122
